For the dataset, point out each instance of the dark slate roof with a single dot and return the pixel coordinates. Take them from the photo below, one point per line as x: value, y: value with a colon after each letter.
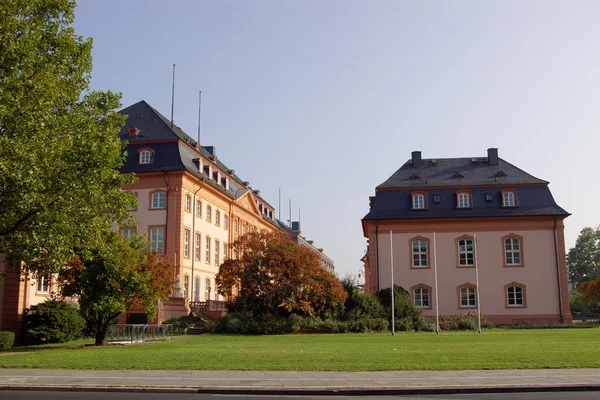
x: 177, y: 151
x: 476, y: 171
x: 532, y: 201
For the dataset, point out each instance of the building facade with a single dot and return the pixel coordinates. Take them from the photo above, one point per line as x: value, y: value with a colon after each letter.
x: 469, y: 220
x: 296, y: 235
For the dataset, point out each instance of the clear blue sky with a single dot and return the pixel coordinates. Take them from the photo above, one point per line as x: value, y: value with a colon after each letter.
x: 326, y: 99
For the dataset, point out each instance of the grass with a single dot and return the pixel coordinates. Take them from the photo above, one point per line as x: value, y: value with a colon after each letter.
x: 493, y: 349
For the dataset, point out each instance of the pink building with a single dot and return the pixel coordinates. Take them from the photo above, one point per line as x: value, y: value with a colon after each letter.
x: 452, y: 215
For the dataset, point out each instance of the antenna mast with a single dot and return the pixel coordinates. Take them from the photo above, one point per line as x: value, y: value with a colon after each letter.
x: 199, y: 111
x: 173, y: 98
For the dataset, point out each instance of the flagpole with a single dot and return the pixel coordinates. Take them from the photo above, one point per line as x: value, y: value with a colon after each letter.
x: 392, y: 289
x: 477, y: 282
x: 435, y: 277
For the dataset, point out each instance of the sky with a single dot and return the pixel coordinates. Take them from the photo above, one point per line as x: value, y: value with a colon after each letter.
x: 324, y: 100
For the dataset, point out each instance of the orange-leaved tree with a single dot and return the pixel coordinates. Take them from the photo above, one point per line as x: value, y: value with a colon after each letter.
x: 271, y: 274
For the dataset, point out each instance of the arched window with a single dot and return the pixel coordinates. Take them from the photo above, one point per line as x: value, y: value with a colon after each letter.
x: 197, y: 289
x: 188, y: 203
x: 235, y: 225
x: 512, y: 246
x: 419, y: 252
x: 217, y: 218
x: 225, y: 221
x: 515, y: 295
x: 467, y: 296
x: 466, y: 252
x: 158, y: 200
x: 421, y: 296
x: 208, y: 214
x: 198, y: 209
x: 207, y: 289
x: 145, y: 157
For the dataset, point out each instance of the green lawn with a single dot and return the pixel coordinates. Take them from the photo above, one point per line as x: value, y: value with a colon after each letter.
x: 493, y: 349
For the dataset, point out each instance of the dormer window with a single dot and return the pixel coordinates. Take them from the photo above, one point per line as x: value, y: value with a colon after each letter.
x: 216, y: 176
x: 502, y: 174
x: 418, y: 201
x: 463, y: 200
x: 146, y: 156
x: 509, y: 198
x: 207, y: 170
x: 225, y: 183
x: 415, y: 176
x: 458, y: 175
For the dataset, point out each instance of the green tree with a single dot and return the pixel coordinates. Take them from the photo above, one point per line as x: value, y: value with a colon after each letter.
x: 115, y: 277
x: 59, y: 148
x: 583, y: 260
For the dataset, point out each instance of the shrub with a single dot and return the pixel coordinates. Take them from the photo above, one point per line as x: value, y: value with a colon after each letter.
x: 466, y: 324
x: 448, y: 324
x: 181, y: 324
x: 404, y: 325
x: 54, y: 322
x: 7, y: 340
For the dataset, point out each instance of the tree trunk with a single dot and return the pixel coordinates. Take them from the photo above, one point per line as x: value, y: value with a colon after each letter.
x: 101, y: 329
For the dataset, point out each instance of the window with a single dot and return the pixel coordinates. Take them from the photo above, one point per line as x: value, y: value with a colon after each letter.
x: 207, y: 289
x: 515, y: 296
x: 244, y: 227
x: 133, y: 205
x: 437, y: 198
x: 128, y: 232
x: 225, y: 252
x: 217, y: 249
x: 43, y: 284
x: 157, y: 240
x: 508, y: 199
x: 158, y: 200
x: 235, y: 224
x: 512, y: 251
x: 419, y: 253
x: 186, y: 243
x: 197, y: 246
x: 186, y: 286
x: 197, y: 289
x: 418, y: 201
x: 225, y: 221
x: 198, y: 209
x: 188, y: 203
x: 488, y: 197
x: 421, y: 297
x: 207, y: 250
x: 463, y: 200
x: 218, y: 218
x: 468, y: 296
x: 466, y: 253
x: 208, y: 214
x: 145, y: 157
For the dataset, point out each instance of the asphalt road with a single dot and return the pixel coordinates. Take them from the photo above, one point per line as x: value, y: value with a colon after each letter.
x: 56, y: 395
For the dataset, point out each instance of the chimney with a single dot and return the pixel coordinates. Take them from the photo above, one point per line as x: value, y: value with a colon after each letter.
x: 493, y: 156
x: 296, y: 226
x: 211, y: 149
x: 416, y: 159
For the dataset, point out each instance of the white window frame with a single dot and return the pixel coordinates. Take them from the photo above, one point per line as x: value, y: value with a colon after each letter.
x: 157, y: 240
x: 464, y: 200
x: 225, y: 222
x: 145, y: 157
x: 513, y: 297
x: 197, y: 244
x: 207, y: 250
x: 469, y: 294
x: 208, y: 213
x: 418, y: 202
x: 422, y: 297
x: 418, y: 251
x: 186, y: 243
x: 225, y: 250
x: 188, y: 202
x: 217, y: 251
x: 207, y: 289
x: 466, y: 253
x: 217, y: 218
x: 199, y: 208
x: 128, y: 232
x: 511, y: 253
x: 43, y: 284
x: 508, y: 199
x: 158, y: 200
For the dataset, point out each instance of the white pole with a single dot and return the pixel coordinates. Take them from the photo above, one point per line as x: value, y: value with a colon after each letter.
x: 392, y: 288
x: 477, y: 282
x: 437, y: 310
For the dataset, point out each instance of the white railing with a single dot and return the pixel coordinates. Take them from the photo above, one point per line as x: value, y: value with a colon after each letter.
x: 138, y: 333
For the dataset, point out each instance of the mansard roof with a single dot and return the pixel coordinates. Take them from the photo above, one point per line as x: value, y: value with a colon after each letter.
x: 448, y: 171
x: 174, y: 149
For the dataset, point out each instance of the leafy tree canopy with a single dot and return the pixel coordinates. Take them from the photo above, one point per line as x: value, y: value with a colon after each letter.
x: 272, y: 273
x: 583, y: 260
x: 115, y: 277
x: 59, y: 149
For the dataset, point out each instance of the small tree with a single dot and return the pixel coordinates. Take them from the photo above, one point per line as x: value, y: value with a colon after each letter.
x: 54, y: 322
x: 583, y: 260
x: 273, y: 274
x: 115, y: 277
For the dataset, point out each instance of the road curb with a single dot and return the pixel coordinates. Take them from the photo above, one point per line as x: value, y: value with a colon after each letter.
x: 399, y: 391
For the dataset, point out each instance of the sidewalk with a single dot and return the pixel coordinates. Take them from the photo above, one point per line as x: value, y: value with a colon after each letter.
x: 303, y: 382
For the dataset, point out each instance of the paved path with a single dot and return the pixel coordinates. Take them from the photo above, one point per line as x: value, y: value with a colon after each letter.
x: 278, y: 382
